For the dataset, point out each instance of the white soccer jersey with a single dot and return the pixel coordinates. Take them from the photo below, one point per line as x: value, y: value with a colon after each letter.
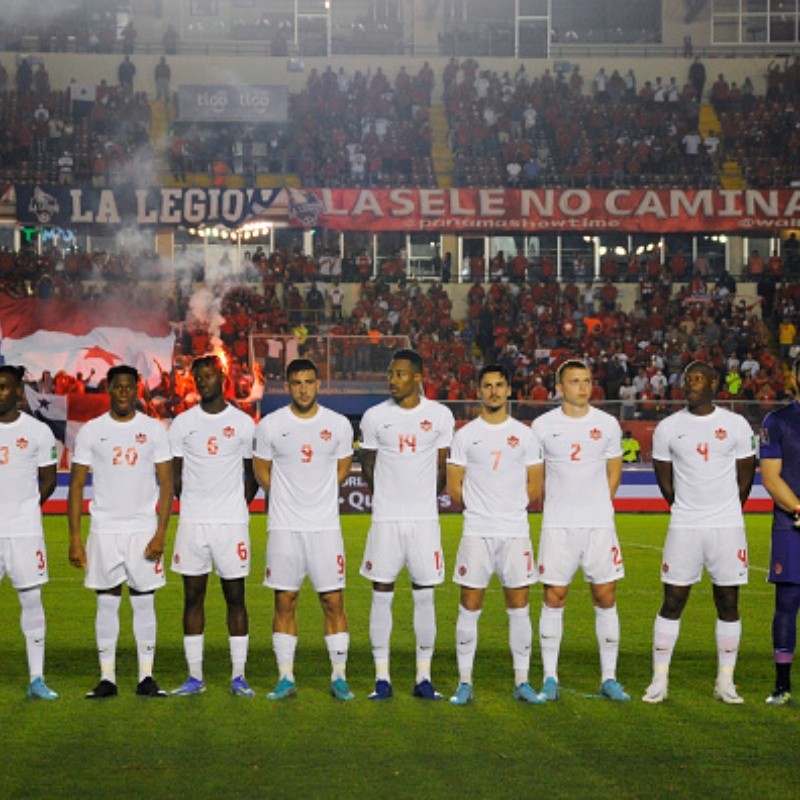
x: 122, y: 457
x: 576, y: 451
x: 703, y: 451
x: 407, y: 442
x: 304, y: 487
x: 212, y: 447
x: 496, y: 459
x: 25, y: 445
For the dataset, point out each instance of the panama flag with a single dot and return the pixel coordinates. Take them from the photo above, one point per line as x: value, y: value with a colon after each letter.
x: 87, y: 337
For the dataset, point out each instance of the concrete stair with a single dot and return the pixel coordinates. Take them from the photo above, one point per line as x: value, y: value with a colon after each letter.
x: 441, y: 153
x: 730, y: 173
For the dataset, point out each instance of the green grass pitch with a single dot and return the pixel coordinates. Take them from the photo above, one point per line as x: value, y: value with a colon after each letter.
x: 216, y: 745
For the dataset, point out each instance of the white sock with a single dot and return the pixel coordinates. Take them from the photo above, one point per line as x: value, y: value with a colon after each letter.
x: 424, y: 630
x: 338, y: 645
x: 238, y: 646
x: 665, y: 636
x: 284, y: 646
x: 106, y: 628
x: 520, y: 635
x: 144, y: 631
x: 33, y: 626
x: 606, y: 627
x: 466, y: 642
x: 728, y: 635
x: 551, y: 629
x: 380, y: 632
x: 193, y: 650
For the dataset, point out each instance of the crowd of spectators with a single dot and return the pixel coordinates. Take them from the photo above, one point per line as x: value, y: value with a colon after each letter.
x: 367, y: 128
x: 96, y: 134
x: 553, y: 130
x: 637, y: 355
x: 364, y: 128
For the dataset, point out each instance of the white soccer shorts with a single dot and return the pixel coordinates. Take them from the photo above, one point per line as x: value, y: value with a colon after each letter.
x: 595, y: 550
x: 199, y: 547
x: 722, y: 551
x: 24, y: 560
x: 116, y: 558
x: 510, y: 558
x: 416, y: 545
x: 291, y: 555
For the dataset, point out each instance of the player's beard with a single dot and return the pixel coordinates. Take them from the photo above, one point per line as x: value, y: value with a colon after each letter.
x: 304, y: 408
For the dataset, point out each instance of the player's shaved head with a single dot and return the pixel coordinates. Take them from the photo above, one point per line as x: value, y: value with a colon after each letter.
x: 701, y: 366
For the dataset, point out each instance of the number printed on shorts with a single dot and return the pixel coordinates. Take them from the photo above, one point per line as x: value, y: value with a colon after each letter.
x: 528, y: 560
x: 616, y: 556
x: 742, y: 556
x: 702, y: 449
x: 158, y: 567
x: 340, y: 564
x: 307, y: 453
x: 575, y: 455
x: 437, y: 559
x: 241, y: 550
x: 127, y: 456
x: 212, y: 445
x: 40, y: 560
x: 407, y: 441
x: 5, y: 454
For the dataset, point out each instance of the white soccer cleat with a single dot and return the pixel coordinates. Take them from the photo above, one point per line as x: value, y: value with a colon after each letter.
x: 656, y: 692
x: 726, y: 692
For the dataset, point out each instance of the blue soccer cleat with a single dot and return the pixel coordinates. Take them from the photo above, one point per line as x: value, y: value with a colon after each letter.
x: 612, y: 690
x: 189, y: 687
x: 283, y: 691
x: 425, y: 691
x: 550, y: 690
x: 240, y: 687
x: 463, y: 695
x: 38, y: 690
x: 526, y: 694
x: 383, y: 691
x: 341, y: 691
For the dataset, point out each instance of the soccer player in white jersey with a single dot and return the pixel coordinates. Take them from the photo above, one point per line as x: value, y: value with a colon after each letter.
x: 490, y: 471
x: 704, y: 460
x: 302, y: 453
x: 404, y: 443
x: 582, y: 451
x: 212, y: 449
x: 127, y: 453
x: 27, y: 478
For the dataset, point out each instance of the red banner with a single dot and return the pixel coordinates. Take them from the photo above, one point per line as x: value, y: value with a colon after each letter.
x: 748, y: 211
